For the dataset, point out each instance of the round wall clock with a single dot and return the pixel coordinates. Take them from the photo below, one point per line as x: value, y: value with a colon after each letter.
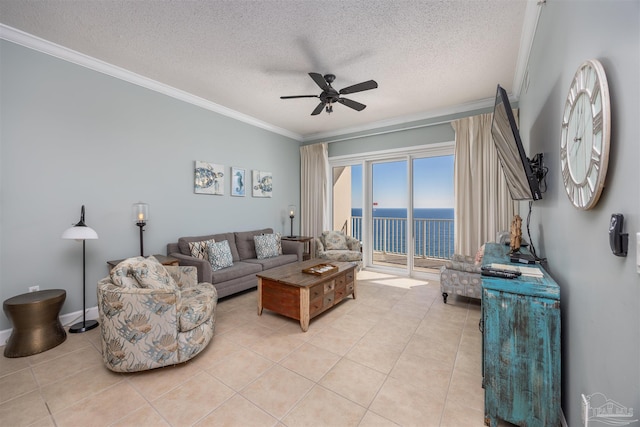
x: 586, y: 129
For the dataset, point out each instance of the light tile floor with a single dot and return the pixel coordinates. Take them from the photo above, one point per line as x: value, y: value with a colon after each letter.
x: 395, y: 356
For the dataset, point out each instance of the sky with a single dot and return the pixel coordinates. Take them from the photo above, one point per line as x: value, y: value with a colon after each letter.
x: 432, y: 184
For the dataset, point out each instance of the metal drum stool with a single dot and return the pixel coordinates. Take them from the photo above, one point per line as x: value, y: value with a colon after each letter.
x: 36, y: 325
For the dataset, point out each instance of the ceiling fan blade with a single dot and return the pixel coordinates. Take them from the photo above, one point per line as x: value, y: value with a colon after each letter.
x: 352, y: 104
x: 318, y: 109
x: 371, y: 84
x: 319, y: 79
x: 299, y: 96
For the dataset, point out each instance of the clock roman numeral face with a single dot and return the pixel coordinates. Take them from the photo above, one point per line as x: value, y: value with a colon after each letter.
x: 584, y: 146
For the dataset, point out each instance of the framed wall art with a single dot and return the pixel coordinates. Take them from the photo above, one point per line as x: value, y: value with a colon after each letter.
x: 209, y: 178
x: 238, y: 183
x: 262, y: 184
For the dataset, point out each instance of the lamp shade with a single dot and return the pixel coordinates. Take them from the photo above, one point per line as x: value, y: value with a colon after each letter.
x: 140, y: 212
x: 291, y: 209
x: 80, y: 231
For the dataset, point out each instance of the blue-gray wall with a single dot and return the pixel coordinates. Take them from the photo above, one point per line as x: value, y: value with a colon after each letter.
x: 600, y: 292
x: 71, y: 136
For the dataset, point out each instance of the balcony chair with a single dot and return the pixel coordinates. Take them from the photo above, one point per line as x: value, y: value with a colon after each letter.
x: 153, y: 315
x: 337, y: 246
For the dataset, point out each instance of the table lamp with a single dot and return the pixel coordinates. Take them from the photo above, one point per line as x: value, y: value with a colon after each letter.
x: 292, y: 214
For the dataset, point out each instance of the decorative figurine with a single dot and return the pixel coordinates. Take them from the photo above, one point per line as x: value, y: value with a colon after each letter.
x: 516, y: 233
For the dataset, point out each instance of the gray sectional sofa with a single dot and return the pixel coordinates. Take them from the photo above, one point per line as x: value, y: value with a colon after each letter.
x: 242, y: 274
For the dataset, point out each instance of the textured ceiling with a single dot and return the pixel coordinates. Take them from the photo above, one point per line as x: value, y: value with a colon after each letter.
x: 427, y: 56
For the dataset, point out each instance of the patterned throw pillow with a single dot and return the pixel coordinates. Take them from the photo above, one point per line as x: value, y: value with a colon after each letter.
x: 151, y: 274
x: 335, y: 240
x: 200, y: 249
x: 220, y: 255
x: 268, y: 245
x: 122, y: 274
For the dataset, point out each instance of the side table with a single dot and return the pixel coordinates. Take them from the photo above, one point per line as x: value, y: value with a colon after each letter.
x: 306, y: 240
x: 36, y: 322
x: 163, y: 259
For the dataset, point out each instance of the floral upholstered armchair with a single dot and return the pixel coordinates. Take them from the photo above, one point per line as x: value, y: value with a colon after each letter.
x: 336, y: 246
x: 462, y: 276
x: 153, y: 315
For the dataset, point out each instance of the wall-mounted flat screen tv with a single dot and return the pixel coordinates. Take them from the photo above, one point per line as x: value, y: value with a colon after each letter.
x: 521, y: 179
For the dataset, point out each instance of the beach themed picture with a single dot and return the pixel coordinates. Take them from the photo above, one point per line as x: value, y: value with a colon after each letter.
x: 209, y: 178
x: 238, y: 183
x: 262, y: 185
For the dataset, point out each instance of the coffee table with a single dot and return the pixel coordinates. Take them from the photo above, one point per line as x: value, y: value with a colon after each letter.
x: 302, y: 296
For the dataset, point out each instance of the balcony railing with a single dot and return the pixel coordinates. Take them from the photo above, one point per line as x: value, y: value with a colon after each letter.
x: 434, y: 237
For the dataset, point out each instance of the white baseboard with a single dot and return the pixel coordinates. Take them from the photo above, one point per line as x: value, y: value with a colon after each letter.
x: 66, y: 320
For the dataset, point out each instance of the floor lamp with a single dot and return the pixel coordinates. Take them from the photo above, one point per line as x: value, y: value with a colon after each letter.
x: 80, y: 232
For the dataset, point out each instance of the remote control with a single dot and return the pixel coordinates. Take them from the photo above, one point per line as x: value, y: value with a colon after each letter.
x: 501, y: 274
x: 500, y: 270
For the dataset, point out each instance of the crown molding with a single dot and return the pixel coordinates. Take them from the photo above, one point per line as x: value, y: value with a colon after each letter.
x: 36, y: 43
x: 532, y: 15
x: 529, y: 27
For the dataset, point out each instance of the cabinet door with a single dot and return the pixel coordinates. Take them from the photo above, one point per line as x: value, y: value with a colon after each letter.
x: 521, y: 359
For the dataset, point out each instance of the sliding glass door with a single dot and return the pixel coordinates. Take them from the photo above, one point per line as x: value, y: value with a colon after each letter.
x: 432, y: 212
x: 389, y: 207
x: 399, y: 206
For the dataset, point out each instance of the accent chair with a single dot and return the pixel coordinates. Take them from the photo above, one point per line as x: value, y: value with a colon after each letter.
x: 153, y: 315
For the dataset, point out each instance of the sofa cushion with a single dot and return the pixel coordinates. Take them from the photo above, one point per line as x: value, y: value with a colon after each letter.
x: 334, y: 240
x: 220, y: 255
x: 267, y: 245
x: 122, y: 274
x: 245, y: 243
x: 268, y: 263
x: 200, y: 249
x: 151, y: 274
x: 196, y: 306
x: 238, y: 269
x: 183, y: 243
x: 341, y: 255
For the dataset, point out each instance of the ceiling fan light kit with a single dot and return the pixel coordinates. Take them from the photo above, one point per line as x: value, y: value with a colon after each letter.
x: 330, y: 96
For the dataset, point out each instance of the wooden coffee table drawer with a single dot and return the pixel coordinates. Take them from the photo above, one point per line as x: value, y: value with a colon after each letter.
x: 350, y: 276
x: 328, y: 300
x: 350, y: 288
x: 316, y: 292
x: 315, y: 307
x: 329, y: 286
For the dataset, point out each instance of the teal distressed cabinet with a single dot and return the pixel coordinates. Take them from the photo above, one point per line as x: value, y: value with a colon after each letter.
x: 521, y: 346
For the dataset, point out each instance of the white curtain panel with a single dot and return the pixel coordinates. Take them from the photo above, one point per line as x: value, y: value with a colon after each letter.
x: 314, y: 189
x: 483, y: 205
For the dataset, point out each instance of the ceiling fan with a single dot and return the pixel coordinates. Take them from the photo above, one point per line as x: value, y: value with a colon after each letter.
x: 329, y: 95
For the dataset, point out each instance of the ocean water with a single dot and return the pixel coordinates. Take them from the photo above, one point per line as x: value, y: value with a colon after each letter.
x: 433, y: 230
